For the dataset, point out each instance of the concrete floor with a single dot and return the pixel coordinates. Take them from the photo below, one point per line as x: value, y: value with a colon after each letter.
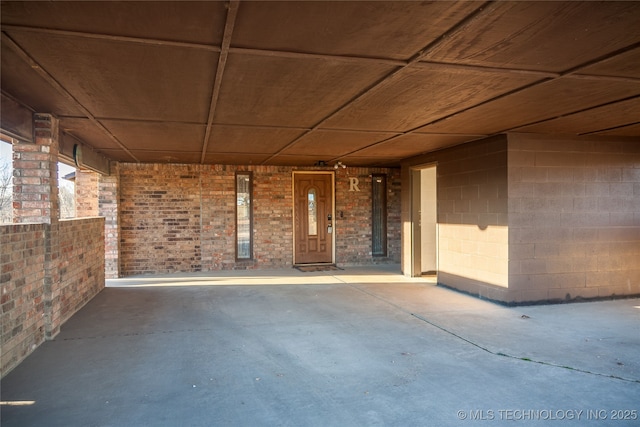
x: 357, y: 347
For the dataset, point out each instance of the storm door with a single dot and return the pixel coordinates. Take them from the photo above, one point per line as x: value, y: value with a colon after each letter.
x: 313, y: 218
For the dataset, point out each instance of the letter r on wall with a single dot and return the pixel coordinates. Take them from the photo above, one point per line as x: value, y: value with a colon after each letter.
x: 353, y: 184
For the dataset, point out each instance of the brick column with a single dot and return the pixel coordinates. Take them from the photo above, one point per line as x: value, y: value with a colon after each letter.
x: 109, y: 208
x: 86, y: 193
x: 35, y: 200
x: 35, y: 174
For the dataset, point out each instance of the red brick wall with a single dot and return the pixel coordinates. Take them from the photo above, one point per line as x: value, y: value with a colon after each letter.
x: 182, y: 217
x: 35, y: 198
x: 160, y: 218
x: 86, y: 187
x: 44, y: 281
x: 353, y: 216
x: 22, y: 257
x: 273, y: 217
x: 81, y: 263
x: 108, y: 207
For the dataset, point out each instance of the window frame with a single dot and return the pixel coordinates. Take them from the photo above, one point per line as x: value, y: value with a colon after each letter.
x: 249, y: 175
x: 382, y: 227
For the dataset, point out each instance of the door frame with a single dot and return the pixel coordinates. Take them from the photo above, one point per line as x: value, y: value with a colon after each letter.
x: 416, y: 194
x: 333, y: 211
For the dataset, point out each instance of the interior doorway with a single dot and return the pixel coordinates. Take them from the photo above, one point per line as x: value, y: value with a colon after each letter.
x: 313, y: 217
x: 424, y: 220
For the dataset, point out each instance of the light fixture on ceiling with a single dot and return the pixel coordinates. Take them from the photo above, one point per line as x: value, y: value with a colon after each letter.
x: 339, y: 165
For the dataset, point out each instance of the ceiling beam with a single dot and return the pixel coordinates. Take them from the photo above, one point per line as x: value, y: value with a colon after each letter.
x: 222, y: 62
x: 107, y: 37
x: 301, y: 55
x: 609, y: 129
x: 63, y: 91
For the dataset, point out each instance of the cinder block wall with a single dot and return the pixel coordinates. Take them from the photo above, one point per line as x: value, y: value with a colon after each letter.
x: 34, y: 306
x: 182, y: 217
x: 574, y: 218
x: 525, y: 218
x: 472, y: 216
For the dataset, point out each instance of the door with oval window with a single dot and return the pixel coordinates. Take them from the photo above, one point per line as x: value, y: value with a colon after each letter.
x: 313, y: 218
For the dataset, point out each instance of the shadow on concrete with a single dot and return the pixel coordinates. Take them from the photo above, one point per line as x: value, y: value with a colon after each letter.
x: 345, y: 353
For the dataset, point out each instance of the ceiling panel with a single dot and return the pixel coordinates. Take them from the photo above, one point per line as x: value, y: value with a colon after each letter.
x: 123, y: 80
x: 339, y: 75
x: 361, y: 161
x: 85, y: 130
x: 545, y: 101
x: 626, y: 64
x: 605, y: 117
x: 117, y: 155
x: 259, y: 140
x: 289, y: 92
x: 378, y: 29
x: 184, y: 21
x: 19, y: 79
x: 328, y: 144
x: 423, y: 94
x: 235, y: 158
x: 160, y: 136
x: 542, y: 35
x: 413, y: 144
x: 168, y: 156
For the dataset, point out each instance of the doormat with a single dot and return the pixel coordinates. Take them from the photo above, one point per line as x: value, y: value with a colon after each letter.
x: 313, y: 268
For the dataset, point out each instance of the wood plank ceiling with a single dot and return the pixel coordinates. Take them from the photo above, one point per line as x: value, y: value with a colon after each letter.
x: 292, y: 83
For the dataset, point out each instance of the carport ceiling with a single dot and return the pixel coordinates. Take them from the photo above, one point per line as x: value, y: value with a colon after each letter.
x: 292, y: 83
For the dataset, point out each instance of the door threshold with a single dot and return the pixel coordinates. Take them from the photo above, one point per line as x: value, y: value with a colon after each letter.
x: 307, y: 268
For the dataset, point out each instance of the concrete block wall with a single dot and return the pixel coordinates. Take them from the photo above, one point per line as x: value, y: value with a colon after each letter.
x: 472, y: 216
x: 22, y: 299
x: 528, y: 218
x: 182, y: 217
x: 574, y: 218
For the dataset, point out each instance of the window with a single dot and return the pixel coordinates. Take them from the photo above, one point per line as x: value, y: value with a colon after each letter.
x: 67, y: 190
x: 244, y: 216
x: 313, y: 212
x: 6, y: 181
x: 379, y: 215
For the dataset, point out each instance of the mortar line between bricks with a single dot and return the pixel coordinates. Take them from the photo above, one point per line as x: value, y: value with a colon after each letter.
x: 485, y: 349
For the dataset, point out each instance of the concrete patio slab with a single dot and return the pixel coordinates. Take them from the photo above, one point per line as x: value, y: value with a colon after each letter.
x: 356, y: 347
